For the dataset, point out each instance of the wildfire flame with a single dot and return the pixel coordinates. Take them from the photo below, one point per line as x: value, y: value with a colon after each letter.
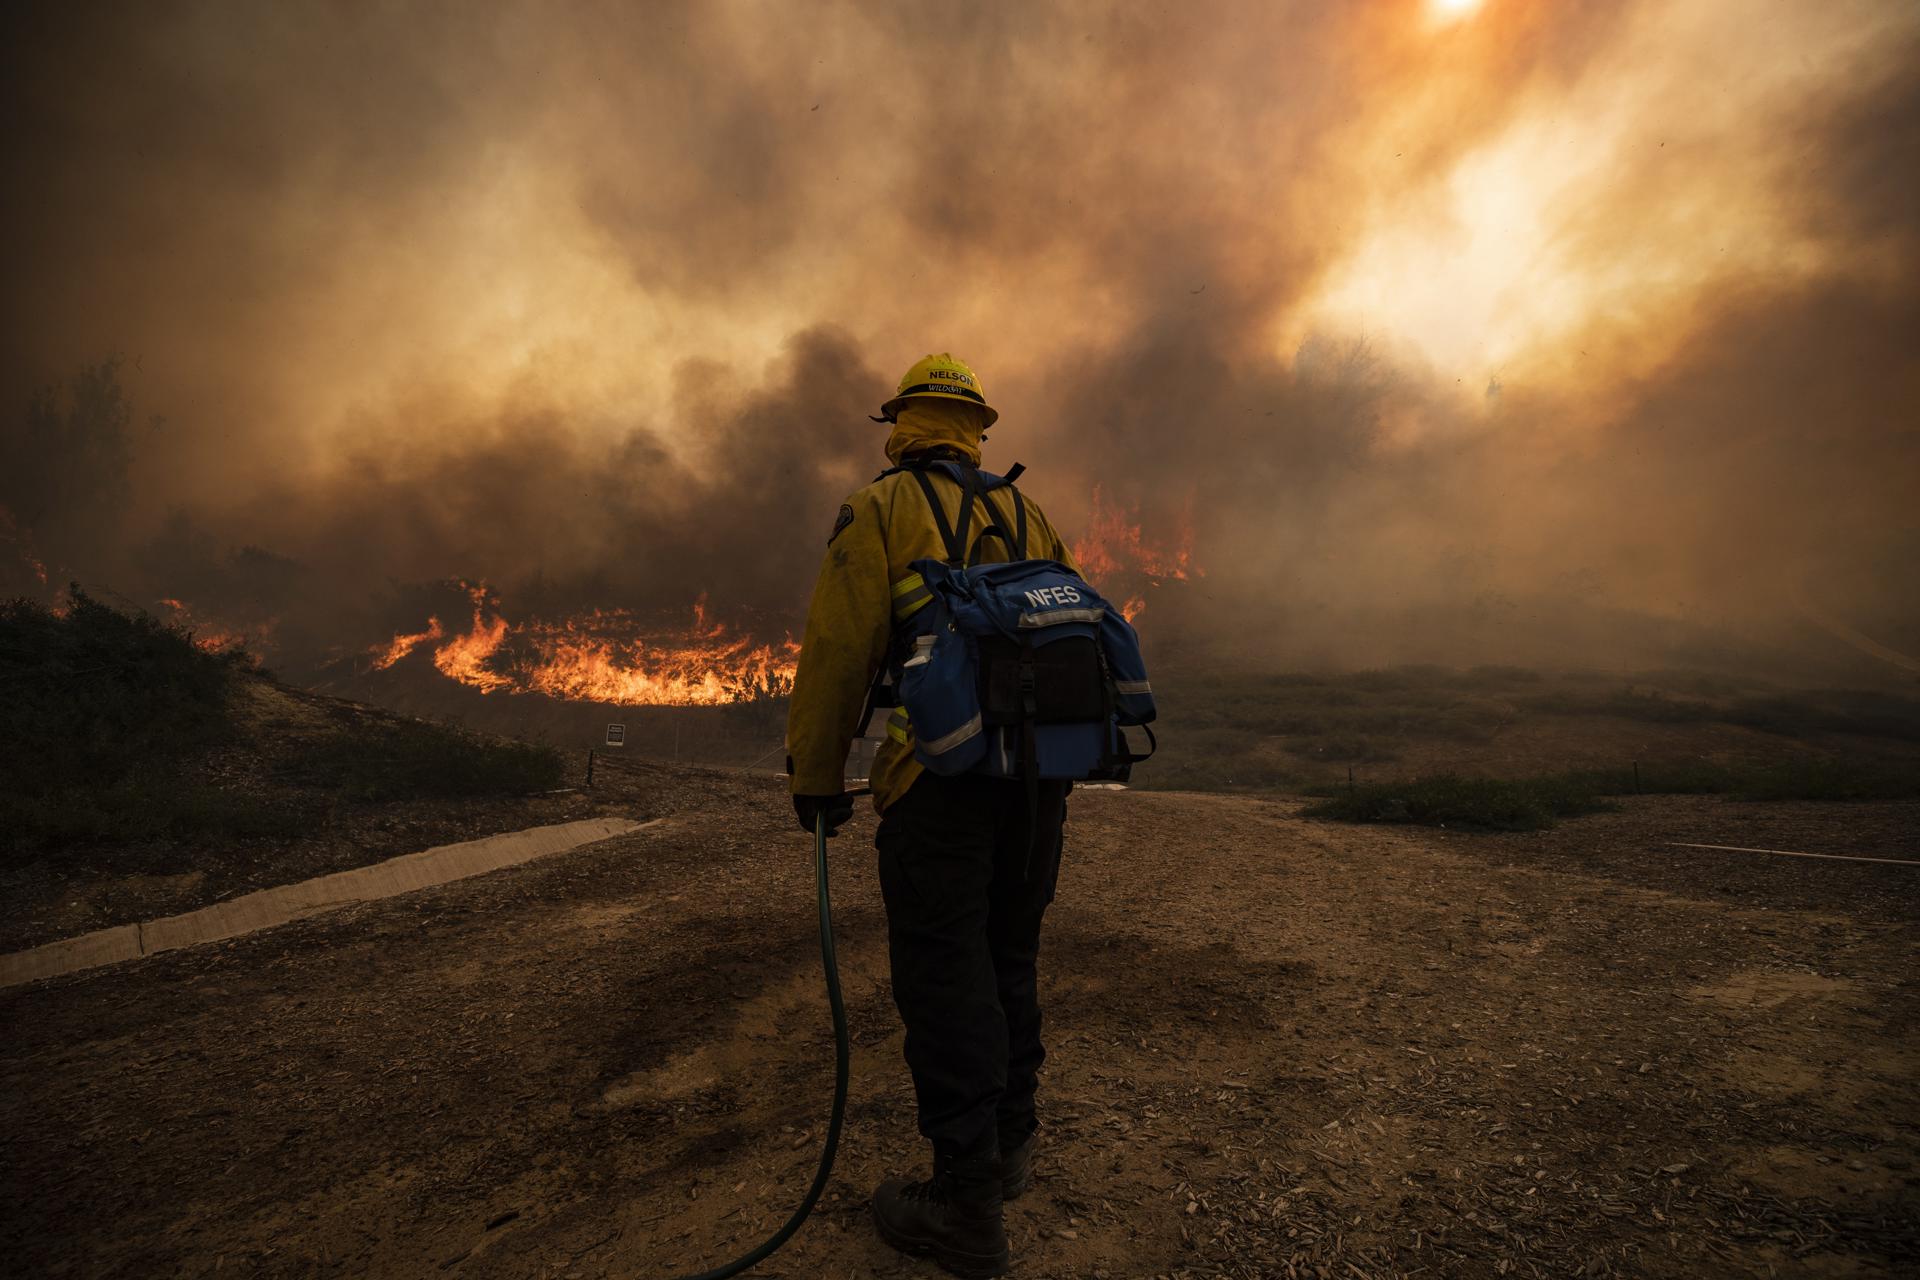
x: 598, y: 658
x: 404, y: 644
x: 211, y: 636
x: 607, y: 655
x: 1116, y: 543
x: 1116, y: 546
x: 464, y: 658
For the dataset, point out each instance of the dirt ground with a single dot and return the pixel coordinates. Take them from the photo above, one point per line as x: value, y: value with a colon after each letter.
x: 1278, y: 1048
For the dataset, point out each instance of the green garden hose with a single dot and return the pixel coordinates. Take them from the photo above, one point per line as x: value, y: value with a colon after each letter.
x: 842, y: 1055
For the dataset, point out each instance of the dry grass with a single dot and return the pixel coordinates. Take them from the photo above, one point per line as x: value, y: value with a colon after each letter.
x: 1295, y: 730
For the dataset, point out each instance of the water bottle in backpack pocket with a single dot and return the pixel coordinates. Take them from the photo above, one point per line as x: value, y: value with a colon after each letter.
x: 932, y: 687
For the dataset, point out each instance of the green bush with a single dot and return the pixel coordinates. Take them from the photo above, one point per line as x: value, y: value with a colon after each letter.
x: 100, y: 707
x: 92, y: 694
x: 102, y: 713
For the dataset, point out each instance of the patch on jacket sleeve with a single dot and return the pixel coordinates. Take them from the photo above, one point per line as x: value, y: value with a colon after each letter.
x: 846, y: 518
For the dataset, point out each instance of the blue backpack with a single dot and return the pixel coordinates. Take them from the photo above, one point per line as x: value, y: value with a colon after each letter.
x: 1013, y: 670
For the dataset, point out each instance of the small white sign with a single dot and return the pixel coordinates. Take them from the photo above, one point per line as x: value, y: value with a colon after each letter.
x: 616, y: 735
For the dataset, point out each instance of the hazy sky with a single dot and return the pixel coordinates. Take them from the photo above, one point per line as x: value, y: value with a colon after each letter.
x: 1405, y: 301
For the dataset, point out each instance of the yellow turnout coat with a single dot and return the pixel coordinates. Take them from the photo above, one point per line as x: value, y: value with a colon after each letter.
x: 880, y: 531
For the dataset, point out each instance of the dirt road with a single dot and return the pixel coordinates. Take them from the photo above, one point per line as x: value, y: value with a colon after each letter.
x: 1278, y: 1048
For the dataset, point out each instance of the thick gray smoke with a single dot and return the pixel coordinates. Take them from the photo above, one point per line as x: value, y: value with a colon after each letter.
x: 1575, y: 333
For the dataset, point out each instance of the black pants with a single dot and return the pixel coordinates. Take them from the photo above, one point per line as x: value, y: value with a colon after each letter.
x: 963, y: 931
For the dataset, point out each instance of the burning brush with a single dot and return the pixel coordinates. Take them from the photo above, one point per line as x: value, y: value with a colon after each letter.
x: 611, y: 656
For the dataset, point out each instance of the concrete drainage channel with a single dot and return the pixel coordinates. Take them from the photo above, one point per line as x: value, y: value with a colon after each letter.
x: 270, y: 907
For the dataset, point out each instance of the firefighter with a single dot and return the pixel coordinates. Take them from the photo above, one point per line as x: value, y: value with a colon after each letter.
x: 963, y: 902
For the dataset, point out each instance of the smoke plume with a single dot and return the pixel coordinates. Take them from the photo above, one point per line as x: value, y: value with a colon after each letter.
x: 1510, y: 331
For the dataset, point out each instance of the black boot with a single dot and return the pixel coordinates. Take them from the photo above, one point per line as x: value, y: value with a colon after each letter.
x: 953, y: 1217
x: 1016, y: 1168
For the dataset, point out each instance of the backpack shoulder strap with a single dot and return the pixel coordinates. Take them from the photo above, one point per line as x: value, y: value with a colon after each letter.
x: 1014, y: 472
x: 1014, y: 535
x: 954, y: 538
x: 955, y: 553
x: 961, y: 553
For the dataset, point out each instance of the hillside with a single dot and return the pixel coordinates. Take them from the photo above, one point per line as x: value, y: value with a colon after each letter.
x: 142, y: 774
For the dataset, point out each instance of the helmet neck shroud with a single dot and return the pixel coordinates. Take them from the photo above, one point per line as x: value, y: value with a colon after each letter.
x: 927, y: 424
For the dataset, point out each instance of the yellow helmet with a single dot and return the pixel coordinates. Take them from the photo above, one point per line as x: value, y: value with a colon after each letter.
x: 940, y: 375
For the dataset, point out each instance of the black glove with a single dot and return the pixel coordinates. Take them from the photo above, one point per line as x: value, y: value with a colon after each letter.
x: 838, y: 810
